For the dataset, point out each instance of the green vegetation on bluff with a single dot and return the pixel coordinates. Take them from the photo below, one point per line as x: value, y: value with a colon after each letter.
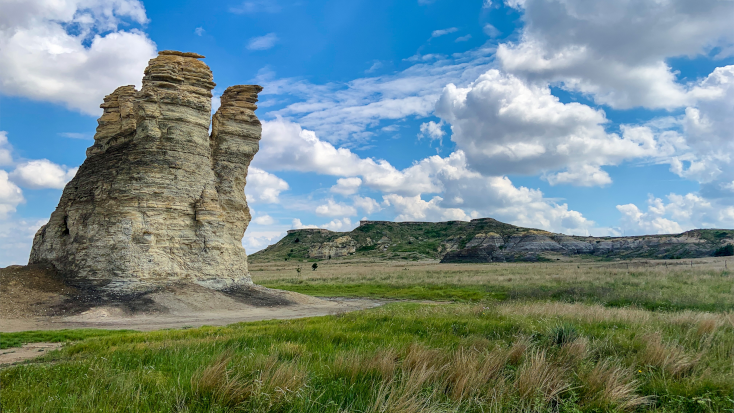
x: 408, y: 240
x: 483, y: 240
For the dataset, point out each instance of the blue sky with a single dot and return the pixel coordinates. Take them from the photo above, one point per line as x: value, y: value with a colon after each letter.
x: 575, y: 116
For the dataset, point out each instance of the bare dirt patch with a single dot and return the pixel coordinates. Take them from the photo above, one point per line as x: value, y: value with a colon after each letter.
x: 36, y: 298
x: 27, y: 352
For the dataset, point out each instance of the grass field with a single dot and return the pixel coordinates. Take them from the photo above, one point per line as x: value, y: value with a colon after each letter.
x: 501, y: 346
x: 703, y: 284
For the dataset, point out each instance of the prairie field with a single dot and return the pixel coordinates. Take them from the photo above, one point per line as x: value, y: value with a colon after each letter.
x: 579, y: 336
x: 700, y: 284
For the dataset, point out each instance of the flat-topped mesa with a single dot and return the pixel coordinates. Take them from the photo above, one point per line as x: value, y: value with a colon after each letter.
x: 158, y: 198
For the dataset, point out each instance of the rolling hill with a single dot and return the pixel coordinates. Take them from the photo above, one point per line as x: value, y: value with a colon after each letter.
x: 484, y: 240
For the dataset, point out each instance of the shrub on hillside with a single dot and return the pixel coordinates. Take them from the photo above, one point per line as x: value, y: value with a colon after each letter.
x: 725, y: 251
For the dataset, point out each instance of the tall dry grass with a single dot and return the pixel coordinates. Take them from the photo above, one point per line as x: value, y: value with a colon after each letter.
x: 670, y: 358
x: 354, y: 364
x: 610, y: 386
x: 540, y: 381
x: 266, y: 381
x: 406, y: 394
x: 470, y: 372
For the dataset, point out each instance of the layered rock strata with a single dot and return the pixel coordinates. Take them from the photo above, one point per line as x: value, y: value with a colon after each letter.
x: 531, y: 245
x: 340, y: 247
x: 159, y: 198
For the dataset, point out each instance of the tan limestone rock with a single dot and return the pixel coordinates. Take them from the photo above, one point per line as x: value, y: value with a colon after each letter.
x: 158, y: 198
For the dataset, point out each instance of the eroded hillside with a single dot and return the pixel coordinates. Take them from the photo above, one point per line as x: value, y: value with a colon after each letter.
x: 483, y: 240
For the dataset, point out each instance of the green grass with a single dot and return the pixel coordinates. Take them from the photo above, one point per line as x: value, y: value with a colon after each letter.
x: 559, y: 337
x: 652, y: 289
x: 402, y: 357
x: 8, y: 340
x: 409, y: 292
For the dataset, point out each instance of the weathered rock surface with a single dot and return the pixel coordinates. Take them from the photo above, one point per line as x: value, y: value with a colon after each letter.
x: 158, y: 198
x: 532, y: 245
x: 340, y: 247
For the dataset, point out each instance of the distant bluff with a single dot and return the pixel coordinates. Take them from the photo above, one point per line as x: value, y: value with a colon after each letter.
x: 483, y: 240
x: 159, y: 198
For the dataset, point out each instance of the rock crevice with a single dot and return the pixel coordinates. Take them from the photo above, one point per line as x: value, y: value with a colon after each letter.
x: 159, y: 198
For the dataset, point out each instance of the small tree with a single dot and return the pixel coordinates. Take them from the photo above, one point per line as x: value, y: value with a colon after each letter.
x: 314, y: 266
x: 298, y: 270
x: 725, y: 251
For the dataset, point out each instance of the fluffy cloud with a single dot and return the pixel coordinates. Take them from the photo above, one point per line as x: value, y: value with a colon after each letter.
x: 346, y: 186
x: 491, y: 31
x: 254, y: 241
x: 264, y: 220
x: 432, y: 130
x: 71, y: 51
x: 297, y: 224
x: 6, y: 157
x: 16, y: 238
x: 584, y: 175
x: 416, y: 209
x: 262, y: 42
x: 263, y: 186
x: 464, y: 193
x: 443, y: 32
x: 506, y: 125
x: 680, y: 213
x: 344, y: 224
x: 616, y: 51
x: 42, y: 173
x: 366, y: 204
x: 10, y: 195
x: 343, y: 112
x: 286, y: 146
x: 497, y: 197
x: 333, y: 209
x: 708, y: 130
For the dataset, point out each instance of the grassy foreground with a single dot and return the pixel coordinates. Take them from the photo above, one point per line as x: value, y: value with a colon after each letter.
x: 507, y: 357
x: 704, y: 284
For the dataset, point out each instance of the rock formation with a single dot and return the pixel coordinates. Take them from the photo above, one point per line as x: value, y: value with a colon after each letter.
x: 484, y: 240
x: 159, y: 198
x: 340, y: 247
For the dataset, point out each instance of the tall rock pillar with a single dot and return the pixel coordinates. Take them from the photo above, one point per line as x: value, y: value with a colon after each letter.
x: 158, y: 199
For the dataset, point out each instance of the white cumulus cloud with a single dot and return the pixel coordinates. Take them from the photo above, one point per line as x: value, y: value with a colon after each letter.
x: 333, y: 209
x: 346, y: 186
x: 264, y: 220
x: 6, y: 157
x: 254, y: 241
x: 10, y: 195
x: 263, y: 186
x: 680, y: 213
x: 71, y: 52
x: 366, y: 204
x: 42, y: 173
x: 506, y: 125
x: 342, y: 225
x: 431, y: 130
x: 616, y: 51
x: 297, y: 224
x: 16, y: 237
